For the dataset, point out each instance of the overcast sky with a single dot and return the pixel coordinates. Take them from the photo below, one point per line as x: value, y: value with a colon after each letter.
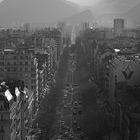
x: 85, y: 2
x: 105, y: 11
x: 35, y: 11
x: 96, y: 2
x: 17, y: 11
x: 107, y: 6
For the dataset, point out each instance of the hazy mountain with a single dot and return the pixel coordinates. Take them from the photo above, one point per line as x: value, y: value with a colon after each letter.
x: 34, y: 11
x: 80, y: 17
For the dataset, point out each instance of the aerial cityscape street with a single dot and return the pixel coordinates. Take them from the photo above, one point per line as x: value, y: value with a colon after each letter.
x: 69, y: 70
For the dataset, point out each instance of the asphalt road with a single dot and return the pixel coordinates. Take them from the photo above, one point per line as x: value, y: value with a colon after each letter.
x: 69, y: 110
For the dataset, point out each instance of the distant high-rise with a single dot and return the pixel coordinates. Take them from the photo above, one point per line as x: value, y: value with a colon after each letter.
x: 27, y: 27
x: 118, y: 26
x: 85, y: 25
x: 73, y: 35
x: 61, y: 25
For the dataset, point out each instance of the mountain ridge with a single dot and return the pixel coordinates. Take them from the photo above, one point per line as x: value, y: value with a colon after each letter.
x: 82, y: 16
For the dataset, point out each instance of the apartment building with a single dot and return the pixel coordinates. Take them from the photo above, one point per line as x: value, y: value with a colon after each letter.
x: 18, y: 116
x: 19, y: 65
x: 4, y: 118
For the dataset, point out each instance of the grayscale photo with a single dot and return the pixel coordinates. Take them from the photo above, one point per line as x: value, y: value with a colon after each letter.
x: 69, y: 69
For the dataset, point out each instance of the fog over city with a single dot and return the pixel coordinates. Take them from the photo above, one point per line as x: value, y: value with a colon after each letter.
x: 69, y: 69
x: 17, y: 12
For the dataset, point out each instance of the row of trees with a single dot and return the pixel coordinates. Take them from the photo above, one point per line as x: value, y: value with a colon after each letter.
x: 95, y: 122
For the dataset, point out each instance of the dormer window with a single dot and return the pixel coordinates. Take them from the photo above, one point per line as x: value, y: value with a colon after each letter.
x: 2, y: 106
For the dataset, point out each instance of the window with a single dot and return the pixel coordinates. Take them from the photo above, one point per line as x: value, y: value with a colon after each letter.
x: 33, y: 87
x: 8, y: 69
x: 1, y: 69
x: 8, y: 63
x: 33, y: 75
x: 26, y: 63
x: 20, y: 63
x: 26, y: 69
x: 32, y: 69
x: 1, y: 77
x: 20, y: 69
x: 1, y: 106
x: 15, y: 69
x: 2, y: 57
x: 1, y: 117
x: 33, y: 81
x: 1, y: 63
x: 15, y: 57
x: 15, y: 63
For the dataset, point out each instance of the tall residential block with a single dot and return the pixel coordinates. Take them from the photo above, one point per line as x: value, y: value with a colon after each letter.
x: 118, y: 26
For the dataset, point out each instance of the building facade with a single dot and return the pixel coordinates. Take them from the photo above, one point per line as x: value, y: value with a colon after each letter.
x: 123, y: 69
x: 18, y: 64
x: 42, y: 76
x: 4, y: 118
x: 22, y: 113
x: 18, y: 116
x: 121, y: 80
